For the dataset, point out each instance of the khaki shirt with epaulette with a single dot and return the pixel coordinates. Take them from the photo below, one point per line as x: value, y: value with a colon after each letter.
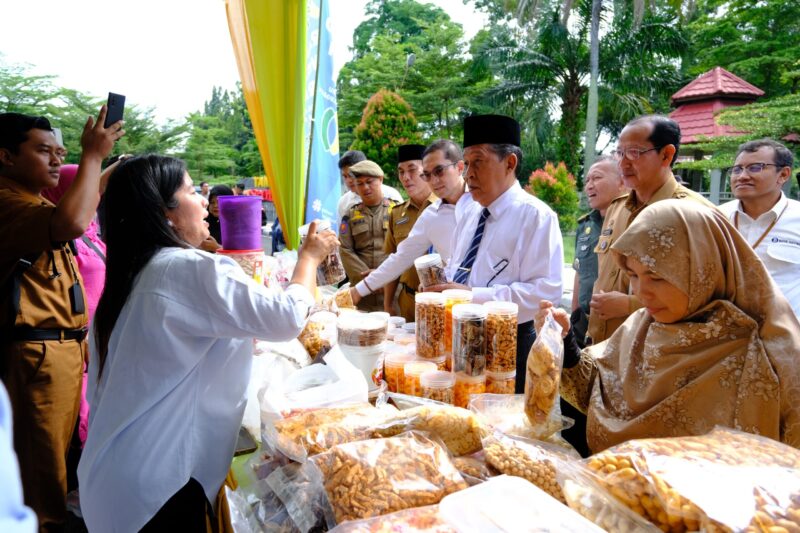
x: 610, y: 277
x: 362, y: 234
x: 402, y: 218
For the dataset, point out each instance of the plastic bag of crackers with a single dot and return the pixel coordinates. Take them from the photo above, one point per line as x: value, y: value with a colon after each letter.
x: 505, y: 413
x: 474, y: 468
x: 543, y: 378
x: 417, y: 520
x: 536, y: 461
x: 380, y: 476
x: 308, y: 433
x: 725, y: 480
x: 457, y: 428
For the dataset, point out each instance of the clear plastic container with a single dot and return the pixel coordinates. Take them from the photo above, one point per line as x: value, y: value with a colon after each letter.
x: 429, y: 315
x: 319, y: 333
x: 466, y: 385
x: 441, y: 362
x: 360, y: 329
x: 393, y: 364
x: 411, y: 375
x: 405, y: 339
x: 501, y: 382
x: 469, y: 339
x: 391, y: 333
x: 438, y: 385
x: 331, y: 270
x: 452, y: 297
x: 501, y: 336
x: 410, y: 327
x: 430, y: 270
x: 396, y: 321
x: 251, y: 261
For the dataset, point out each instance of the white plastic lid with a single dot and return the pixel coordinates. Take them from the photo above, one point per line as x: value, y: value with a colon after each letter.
x: 391, y: 333
x: 466, y: 311
x: 429, y: 298
x: 459, y: 295
x: 437, y: 379
x: 396, y: 321
x: 472, y: 380
x: 428, y: 261
x: 410, y: 327
x: 501, y: 376
x: 324, y: 317
x: 380, y: 314
x: 360, y: 321
x: 322, y: 225
x: 396, y: 358
x: 417, y: 368
x: 501, y: 308
x: 405, y: 338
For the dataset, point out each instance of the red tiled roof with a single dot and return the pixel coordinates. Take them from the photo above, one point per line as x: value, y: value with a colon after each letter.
x: 697, y: 118
x: 717, y: 82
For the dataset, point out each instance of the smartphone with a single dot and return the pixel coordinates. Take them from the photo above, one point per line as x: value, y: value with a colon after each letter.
x: 115, y: 106
x: 245, y: 443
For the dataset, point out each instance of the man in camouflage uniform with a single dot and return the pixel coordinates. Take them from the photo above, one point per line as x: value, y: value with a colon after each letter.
x: 363, y: 229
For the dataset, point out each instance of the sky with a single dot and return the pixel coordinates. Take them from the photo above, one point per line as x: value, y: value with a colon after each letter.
x: 166, y: 54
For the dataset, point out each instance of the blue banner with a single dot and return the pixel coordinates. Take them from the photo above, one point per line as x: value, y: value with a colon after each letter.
x: 323, y: 183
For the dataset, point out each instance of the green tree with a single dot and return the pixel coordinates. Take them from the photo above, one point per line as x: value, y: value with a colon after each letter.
x: 555, y: 186
x: 758, y: 41
x: 387, y: 123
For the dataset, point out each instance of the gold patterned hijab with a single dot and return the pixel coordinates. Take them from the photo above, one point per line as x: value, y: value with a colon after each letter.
x: 734, y: 360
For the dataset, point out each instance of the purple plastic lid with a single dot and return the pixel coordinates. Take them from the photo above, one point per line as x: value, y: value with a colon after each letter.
x: 240, y: 222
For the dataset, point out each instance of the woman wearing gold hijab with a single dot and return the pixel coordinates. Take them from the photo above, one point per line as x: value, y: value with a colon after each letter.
x: 715, y: 343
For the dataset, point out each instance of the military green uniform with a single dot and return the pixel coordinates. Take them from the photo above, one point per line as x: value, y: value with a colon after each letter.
x: 402, y: 218
x: 362, y: 234
x: 610, y: 277
x: 585, y: 265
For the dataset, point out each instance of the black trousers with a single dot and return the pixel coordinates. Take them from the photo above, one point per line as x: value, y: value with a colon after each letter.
x: 186, y: 511
x: 526, y: 336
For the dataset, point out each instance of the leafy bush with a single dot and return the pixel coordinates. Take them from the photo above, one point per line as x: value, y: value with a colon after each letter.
x: 555, y: 186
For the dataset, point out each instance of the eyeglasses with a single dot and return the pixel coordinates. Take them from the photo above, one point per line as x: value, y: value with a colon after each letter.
x: 632, y: 154
x: 437, y: 172
x: 752, y: 168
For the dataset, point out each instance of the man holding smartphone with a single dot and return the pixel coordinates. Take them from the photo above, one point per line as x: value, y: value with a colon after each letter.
x: 42, y: 308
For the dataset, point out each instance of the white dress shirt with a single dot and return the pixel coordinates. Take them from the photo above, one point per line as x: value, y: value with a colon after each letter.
x: 15, y: 517
x: 349, y: 199
x: 434, y: 227
x: 780, y: 248
x: 170, y: 400
x: 520, y: 258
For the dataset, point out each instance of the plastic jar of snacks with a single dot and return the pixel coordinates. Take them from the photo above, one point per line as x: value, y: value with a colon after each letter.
x: 404, y: 339
x: 319, y: 333
x: 429, y: 317
x: 469, y: 339
x: 501, y: 382
x: 452, y: 297
x: 438, y: 385
x: 501, y: 336
x: 393, y: 363
x: 466, y: 385
x: 360, y: 329
x: 331, y: 270
x: 430, y: 270
x: 411, y: 375
x: 396, y: 321
x: 440, y: 362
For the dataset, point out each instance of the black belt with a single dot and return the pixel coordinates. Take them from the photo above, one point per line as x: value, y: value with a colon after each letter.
x: 35, y: 334
x: 410, y: 290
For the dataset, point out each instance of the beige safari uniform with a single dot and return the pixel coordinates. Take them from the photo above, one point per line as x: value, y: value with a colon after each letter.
x: 610, y: 277
x: 362, y: 235
x: 402, y: 218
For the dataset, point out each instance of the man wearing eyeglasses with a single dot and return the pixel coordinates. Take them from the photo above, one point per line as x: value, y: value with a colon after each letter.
x: 442, y: 164
x: 648, y: 147
x: 363, y: 229
x: 765, y: 217
x: 507, y: 244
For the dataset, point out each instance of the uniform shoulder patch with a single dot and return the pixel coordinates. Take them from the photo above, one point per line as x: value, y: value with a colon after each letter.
x: 343, y: 226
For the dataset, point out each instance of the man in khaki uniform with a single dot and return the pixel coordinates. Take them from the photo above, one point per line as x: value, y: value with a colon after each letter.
x: 401, y: 219
x: 42, y: 311
x: 363, y: 229
x: 648, y: 147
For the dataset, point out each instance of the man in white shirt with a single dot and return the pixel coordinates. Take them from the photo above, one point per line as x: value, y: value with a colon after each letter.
x: 351, y: 197
x: 765, y: 217
x: 442, y: 164
x: 507, y: 246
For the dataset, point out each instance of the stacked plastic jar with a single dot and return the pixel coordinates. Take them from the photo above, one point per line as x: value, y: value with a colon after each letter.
x: 430, y: 270
x: 501, y: 346
x: 469, y: 351
x: 331, y: 270
x: 438, y: 385
x: 429, y: 319
x: 393, y: 364
x: 452, y: 297
x: 411, y: 376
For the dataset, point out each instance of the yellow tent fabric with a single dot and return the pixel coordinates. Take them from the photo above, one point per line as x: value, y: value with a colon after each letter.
x: 269, y: 41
